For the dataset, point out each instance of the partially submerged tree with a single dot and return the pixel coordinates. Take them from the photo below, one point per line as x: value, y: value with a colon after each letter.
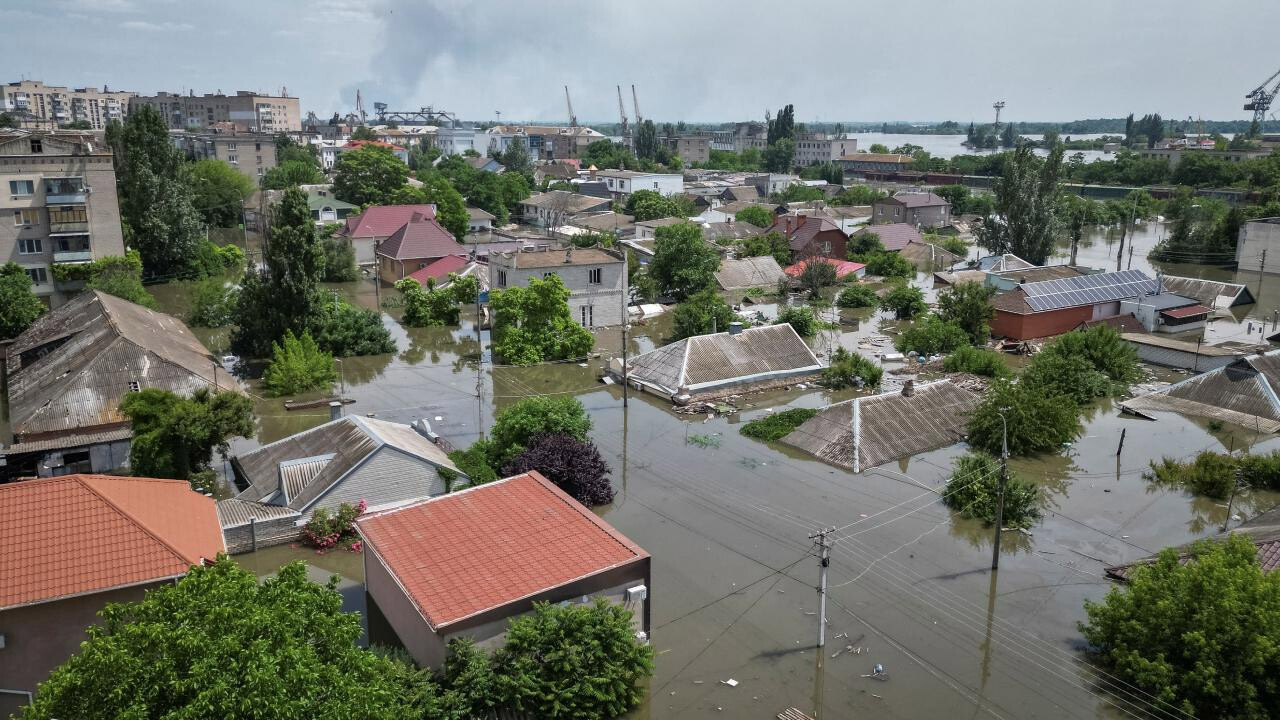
x: 220, y: 191
x: 1038, y: 422
x: 368, y: 175
x: 532, y: 324
x: 968, y: 305
x: 683, y: 263
x: 574, y: 465
x: 850, y: 369
x: 1027, y: 222
x: 904, y: 301
x: 515, y: 425
x: 19, y: 307
x: 973, y: 490
x: 298, y: 365
x: 931, y: 335
x: 701, y: 313
x: 175, y: 436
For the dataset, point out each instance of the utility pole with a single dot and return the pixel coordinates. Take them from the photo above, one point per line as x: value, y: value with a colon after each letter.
x: 479, y: 374
x: 824, y: 560
x: 1004, y: 477
x: 1262, y: 268
x: 625, y: 370
x: 1130, y: 265
x: 377, y: 275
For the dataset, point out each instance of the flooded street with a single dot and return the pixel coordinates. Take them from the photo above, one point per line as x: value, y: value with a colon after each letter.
x: 727, y: 519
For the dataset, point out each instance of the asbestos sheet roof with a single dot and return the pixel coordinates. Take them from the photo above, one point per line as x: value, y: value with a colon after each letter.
x: 869, y: 431
x: 893, y: 236
x: 79, y: 534
x: 716, y: 233
x: 928, y: 254
x: 331, y: 451
x: 1038, y: 274
x: 95, y: 348
x: 1243, y: 393
x: 565, y: 201
x: 461, y: 554
x: 916, y: 199
x: 234, y: 512
x: 77, y: 440
x: 1263, y: 529
x: 1217, y: 295
x: 703, y: 362
x: 750, y: 272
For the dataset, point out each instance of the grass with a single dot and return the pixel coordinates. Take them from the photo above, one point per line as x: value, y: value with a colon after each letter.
x: 778, y: 425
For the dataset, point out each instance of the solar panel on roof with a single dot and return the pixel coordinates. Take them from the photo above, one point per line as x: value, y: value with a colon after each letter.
x: 1087, y: 289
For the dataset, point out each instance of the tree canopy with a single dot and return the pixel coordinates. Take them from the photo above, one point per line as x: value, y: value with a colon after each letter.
x: 1038, y: 422
x: 175, y: 436
x: 574, y: 465
x: 532, y: 324
x: 220, y: 191
x: 515, y: 425
x: 291, y: 173
x: 756, y: 215
x: 968, y: 305
x: 19, y: 307
x: 683, y: 263
x: 652, y: 205
x: 368, y: 175
x: 1027, y: 222
x: 298, y: 365
x: 701, y: 313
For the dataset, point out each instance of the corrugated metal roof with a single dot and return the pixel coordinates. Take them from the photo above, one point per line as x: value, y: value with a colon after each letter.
x: 295, y: 474
x: 724, y: 357
x: 1243, y: 393
x: 235, y: 512
x: 752, y: 272
x: 1217, y: 295
x: 923, y: 253
x: 77, y: 440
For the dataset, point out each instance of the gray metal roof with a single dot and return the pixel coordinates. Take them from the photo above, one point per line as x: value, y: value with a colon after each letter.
x: 753, y: 272
x: 704, y: 362
x: 235, y: 512
x: 1211, y: 293
x: 100, y: 348
x: 1087, y: 289
x: 1166, y: 301
x: 77, y: 440
x: 1243, y: 393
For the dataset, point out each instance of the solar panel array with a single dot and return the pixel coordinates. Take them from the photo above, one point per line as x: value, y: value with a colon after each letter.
x: 1087, y: 289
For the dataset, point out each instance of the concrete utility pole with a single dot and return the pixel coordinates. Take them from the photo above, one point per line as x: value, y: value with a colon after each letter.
x: 625, y: 327
x: 1262, y: 268
x: 1004, y: 478
x: 824, y: 560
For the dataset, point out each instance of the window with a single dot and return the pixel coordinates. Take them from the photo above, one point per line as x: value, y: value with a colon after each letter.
x: 21, y: 187
x: 77, y: 462
x: 135, y: 386
x: 502, y: 278
x: 259, y: 159
x: 593, y: 276
x: 38, y: 275
x: 37, y: 146
x: 28, y: 216
x: 63, y: 186
x: 258, y: 146
x: 826, y: 247
x: 588, y: 317
x: 232, y: 159
x: 30, y: 246
x: 231, y: 146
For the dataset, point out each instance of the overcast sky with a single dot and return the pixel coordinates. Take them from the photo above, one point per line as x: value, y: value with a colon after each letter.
x: 689, y: 59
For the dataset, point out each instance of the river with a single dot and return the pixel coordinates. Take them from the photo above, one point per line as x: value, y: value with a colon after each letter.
x: 947, y: 146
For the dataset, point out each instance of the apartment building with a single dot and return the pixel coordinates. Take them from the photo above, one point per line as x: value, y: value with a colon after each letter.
x: 818, y: 148
x: 691, y: 148
x: 57, y: 205
x: 46, y: 107
x: 545, y: 142
x: 247, y: 111
x: 253, y: 154
x: 596, y: 279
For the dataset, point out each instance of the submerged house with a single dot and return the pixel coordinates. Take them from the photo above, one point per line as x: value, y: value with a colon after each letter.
x: 1052, y: 307
x: 1242, y: 393
x: 1211, y: 293
x: 1263, y: 530
x: 868, y: 431
x: 346, y: 460
x: 752, y: 272
x: 68, y: 372
x: 721, y: 363
x: 464, y: 565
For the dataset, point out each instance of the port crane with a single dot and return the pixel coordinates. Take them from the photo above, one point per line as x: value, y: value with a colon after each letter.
x: 622, y: 113
x: 573, y: 119
x: 1260, y: 99
x: 635, y: 105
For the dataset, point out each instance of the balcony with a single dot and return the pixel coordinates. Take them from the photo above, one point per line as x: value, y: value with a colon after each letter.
x: 80, y: 227
x: 72, y: 257
x: 66, y: 198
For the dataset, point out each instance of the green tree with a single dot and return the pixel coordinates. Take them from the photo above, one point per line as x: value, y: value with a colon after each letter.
x: 1038, y: 422
x: 532, y: 324
x: 816, y: 275
x: 8, y: 120
x: 931, y: 335
x: 213, y: 303
x: 771, y: 243
x: 429, y: 306
x: 701, y: 313
x: 782, y: 127
x: 200, y: 648
x: 968, y: 305
x: 516, y: 424
x: 1201, y: 636
x: 973, y: 490
x: 850, y: 369
x: 858, y: 195
x: 574, y: 661
x: 1027, y: 221
x: 119, y: 276
x: 346, y: 330
x: 175, y: 436
x: 339, y: 259
x: 364, y: 132
x: 651, y: 205
x: 290, y: 150
x: 888, y: 265
x: 220, y: 191
x: 297, y: 366
x: 19, y: 307
x: 683, y: 263
x: 291, y: 173
x: 756, y: 215
x: 646, y: 140
x: 904, y: 301
x: 451, y: 209
x: 780, y: 157
x: 863, y: 245
x: 857, y: 296
x: 1104, y: 349
x: 516, y: 158
x: 1009, y: 137
x: 797, y: 193
x: 800, y: 318
x: 879, y: 148
x: 977, y: 361
x: 368, y: 175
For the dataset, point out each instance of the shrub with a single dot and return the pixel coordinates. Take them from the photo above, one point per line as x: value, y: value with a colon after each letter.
x: 19, y: 306
x: 929, y: 335
x: 1210, y: 474
x: 951, y: 243
x: 119, y: 276
x: 339, y: 259
x: 756, y: 215
x: 801, y: 319
x: 231, y: 256
x: 346, y: 330
x: 213, y: 303
x: 1103, y: 347
x: 1067, y: 375
x: 325, y: 530
x: 888, y: 264
x: 776, y: 426
x: 817, y: 274
x: 573, y: 465
x: 973, y: 490
x: 904, y: 301
x: 474, y: 462
x: 857, y: 296
x: 978, y: 361
x: 850, y: 369
x: 1260, y: 471
x: 1037, y: 422
x: 862, y: 245
x: 429, y: 306
x: 298, y: 365
x: 701, y: 313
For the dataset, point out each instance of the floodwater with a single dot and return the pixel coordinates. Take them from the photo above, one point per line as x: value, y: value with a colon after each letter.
x: 727, y: 520
x: 948, y: 146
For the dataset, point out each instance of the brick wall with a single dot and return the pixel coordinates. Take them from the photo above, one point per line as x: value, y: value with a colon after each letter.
x: 269, y: 532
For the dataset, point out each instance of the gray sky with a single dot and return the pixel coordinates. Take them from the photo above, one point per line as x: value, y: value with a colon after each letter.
x: 689, y: 59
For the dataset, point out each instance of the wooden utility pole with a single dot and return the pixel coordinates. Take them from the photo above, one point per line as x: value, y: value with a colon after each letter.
x: 824, y: 560
x: 1004, y: 478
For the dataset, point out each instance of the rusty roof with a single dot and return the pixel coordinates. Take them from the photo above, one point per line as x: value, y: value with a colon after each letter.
x: 100, y: 348
x: 461, y: 554
x: 1243, y: 393
x: 80, y: 534
x: 703, y: 362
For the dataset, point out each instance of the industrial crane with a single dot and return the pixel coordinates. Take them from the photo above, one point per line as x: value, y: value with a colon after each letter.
x: 635, y: 105
x: 573, y: 119
x: 622, y: 113
x: 1260, y: 99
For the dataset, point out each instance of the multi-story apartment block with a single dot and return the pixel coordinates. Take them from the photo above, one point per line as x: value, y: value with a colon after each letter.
x: 57, y: 205
x: 46, y: 107
x: 691, y: 148
x: 253, y: 154
x: 545, y: 142
x: 247, y: 111
x: 817, y: 148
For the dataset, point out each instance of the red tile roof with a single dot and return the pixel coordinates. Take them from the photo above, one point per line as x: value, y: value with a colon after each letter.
x: 357, y: 144
x: 1186, y: 311
x: 79, y: 534
x: 461, y: 554
x: 421, y: 237
x: 843, y: 267
x: 382, y: 220
x: 440, y: 269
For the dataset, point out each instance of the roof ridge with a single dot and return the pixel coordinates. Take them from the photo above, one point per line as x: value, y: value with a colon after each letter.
x: 130, y: 516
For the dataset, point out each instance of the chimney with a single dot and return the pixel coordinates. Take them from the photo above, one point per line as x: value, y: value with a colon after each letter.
x: 908, y: 388
x: 568, y: 254
x: 335, y: 409
x: 735, y: 328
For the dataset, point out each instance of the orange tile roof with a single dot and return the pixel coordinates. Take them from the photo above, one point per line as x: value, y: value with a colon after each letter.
x: 79, y: 534
x: 461, y: 554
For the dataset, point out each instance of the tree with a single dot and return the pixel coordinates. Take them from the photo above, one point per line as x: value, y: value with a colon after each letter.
x: 1200, y: 635
x: 297, y: 366
x: 1027, y: 221
x: 646, y: 140
x: 516, y: 425
x: 701, y: 313
x: 575, y: 466
x: 756, y: 215
x: 532, y: 324
x: 573, y: 661
x: 346, y: 330
x: 850, y: 369
x: 1104, y: 349
x: 976, y: 361
x: 368, y: 175
x: 429, y: 306
x: 339, y: 259
x: 858, y: 195
x: 451, y: 209
x: 516, y: 157
x: 290, y: 150
x: 19, y: 307
x: 931, y: 335
x: 175, y: 436
x: 1038, y: 422
x: 797, y: 193
x: 968, y: 305
x: 683, y: 263
x: 213, y: 303
x: 888, y: 265
x: 879, y: 148
x: 1009, y: 137
x: 652, y: 205
x: 8, y: 120
x: 904, y: 301
x: 782, y: 127
x: 220, y: 191
x: 364, y: 132
x: 291, y: 173
x: 780, y: 157
x: 800, y: 318
x: 771, y: 243
x: 218, y: 642
x: 119, y: 276
x: 857, y: 296
x: 817, y: 274
x: 973, y: 490
x: 156, y: 205
x: 863, y: 245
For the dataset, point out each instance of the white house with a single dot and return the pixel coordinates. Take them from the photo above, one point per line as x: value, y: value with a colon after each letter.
x: 596, y: 279
x: 621, y: 183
